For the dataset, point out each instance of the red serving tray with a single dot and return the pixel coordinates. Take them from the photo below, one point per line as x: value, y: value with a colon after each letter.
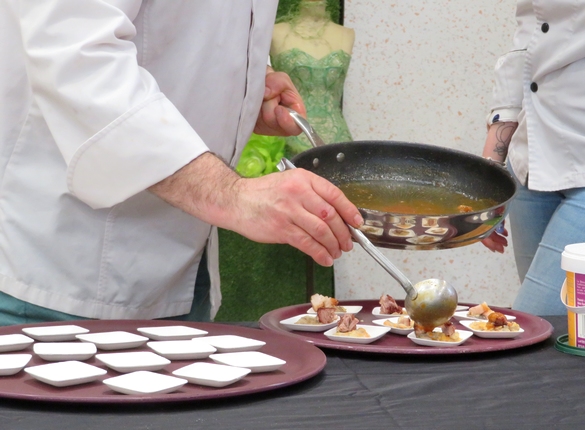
x: 535, y: 328
x: 303, y: 361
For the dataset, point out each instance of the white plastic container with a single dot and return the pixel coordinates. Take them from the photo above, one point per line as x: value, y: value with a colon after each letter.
x: 573, y: 292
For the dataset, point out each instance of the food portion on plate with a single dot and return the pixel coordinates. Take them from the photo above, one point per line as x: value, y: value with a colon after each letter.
x: 399, y: 325
x: 347, y: 326
x: 329, y: 305
x: 349, y: 330
x: 309, y: 322
x: 388, y: 306
x: 319, y: 301
x: 438, y: 338
x: 497, y: 326
x: 444, y: 333
x: 480, y: 312
x: 496, y: 322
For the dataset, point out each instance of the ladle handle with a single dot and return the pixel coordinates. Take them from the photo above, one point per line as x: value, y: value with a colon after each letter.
x: 383, y: 261
x: 309, y: 131
x: 361, y: 238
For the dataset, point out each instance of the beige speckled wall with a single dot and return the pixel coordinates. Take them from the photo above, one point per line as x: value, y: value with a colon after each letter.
x: 421, y: 71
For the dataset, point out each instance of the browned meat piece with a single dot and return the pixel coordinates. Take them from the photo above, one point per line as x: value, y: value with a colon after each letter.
x: 448, y: 328
x: 348, y: 322
x: 497, y: 319
x: 326, y: 315
x: 319, y: 301
x: 389, y: 306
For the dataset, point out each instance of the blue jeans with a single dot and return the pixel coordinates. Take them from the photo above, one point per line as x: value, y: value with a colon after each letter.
x: 542, y: 223
x: 15, y: 311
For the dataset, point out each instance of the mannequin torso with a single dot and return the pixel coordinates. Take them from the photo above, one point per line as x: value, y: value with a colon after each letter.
x: 315, y: 52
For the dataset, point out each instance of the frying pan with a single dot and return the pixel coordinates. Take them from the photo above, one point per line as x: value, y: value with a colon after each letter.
x: 406, y: 162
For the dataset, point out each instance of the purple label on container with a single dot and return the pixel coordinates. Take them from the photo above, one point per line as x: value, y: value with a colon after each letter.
x: 580, y: 301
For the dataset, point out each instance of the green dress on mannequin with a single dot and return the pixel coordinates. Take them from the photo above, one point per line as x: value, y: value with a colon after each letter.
x: 315, y: 52
x: 320, y: 83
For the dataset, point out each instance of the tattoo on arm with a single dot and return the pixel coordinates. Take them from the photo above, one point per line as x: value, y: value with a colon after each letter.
x: 504, y: 132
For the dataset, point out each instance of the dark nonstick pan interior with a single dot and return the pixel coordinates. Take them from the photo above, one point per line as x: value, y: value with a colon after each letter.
x: 400, y: 162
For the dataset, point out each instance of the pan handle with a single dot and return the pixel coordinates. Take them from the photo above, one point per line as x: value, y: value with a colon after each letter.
x: 309, y: 131
x: 285, y: 164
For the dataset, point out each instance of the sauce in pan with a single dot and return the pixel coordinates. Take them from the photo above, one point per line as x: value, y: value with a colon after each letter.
x: 411, y: 199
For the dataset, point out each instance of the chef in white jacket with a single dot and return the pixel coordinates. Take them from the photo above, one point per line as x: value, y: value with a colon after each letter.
x: 538, y: 121
x: 115, y: 119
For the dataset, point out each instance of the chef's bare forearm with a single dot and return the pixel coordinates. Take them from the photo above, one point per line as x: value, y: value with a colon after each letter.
x: 203, y: 188
x: 498, y: 140
x: 295, y: 207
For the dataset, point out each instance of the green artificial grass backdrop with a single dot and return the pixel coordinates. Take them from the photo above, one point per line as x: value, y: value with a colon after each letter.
x: 257, y: 278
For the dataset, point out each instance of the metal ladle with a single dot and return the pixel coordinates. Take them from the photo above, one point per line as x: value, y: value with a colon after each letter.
x: 429, y: 303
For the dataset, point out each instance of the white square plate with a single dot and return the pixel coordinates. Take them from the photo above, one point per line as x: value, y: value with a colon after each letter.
x: 491, y: 334
x: 211, y: 374
x: 463, y: 315
x: 348, y: 310
x: 253, y: 360
x: 463, y: 335
x: 172, y: 332
x: 11, y: 364
x: 65, y: 373
x: 375, y: 332
x: 143, y: 382
x: 125, y: 362
x: 57, y: 333
x: 231, y: 343
x: 394, y: 320
x: 291, y: 323
x: 181, y: 349
x: 14, y: 342
x: 376, y: 312
x: 61, y: 351
x: 114, y: 340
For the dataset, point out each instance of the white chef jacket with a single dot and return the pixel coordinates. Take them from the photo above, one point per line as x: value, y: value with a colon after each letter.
x: 541, y: 84
x: 100, y: 100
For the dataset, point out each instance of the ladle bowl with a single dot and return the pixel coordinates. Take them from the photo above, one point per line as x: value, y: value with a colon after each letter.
x: 434, y: 304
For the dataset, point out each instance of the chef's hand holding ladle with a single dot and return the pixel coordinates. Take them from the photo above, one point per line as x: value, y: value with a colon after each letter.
x: 429, y: 303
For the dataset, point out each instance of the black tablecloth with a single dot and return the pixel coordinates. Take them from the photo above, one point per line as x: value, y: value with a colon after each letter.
x: 536, y: 387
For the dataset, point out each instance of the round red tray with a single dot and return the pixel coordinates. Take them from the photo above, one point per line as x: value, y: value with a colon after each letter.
x: 303, y: 361
x: 535, y: 328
